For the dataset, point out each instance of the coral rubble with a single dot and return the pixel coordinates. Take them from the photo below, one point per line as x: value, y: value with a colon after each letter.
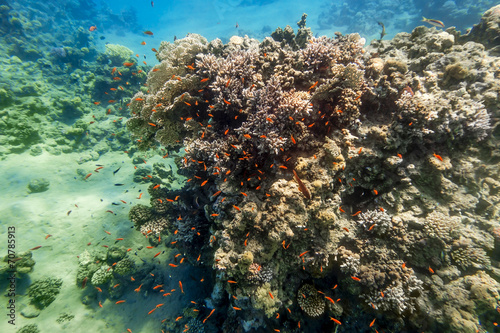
x: 323, y: 161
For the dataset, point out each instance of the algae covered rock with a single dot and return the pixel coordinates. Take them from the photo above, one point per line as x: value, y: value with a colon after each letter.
x: 43, y: 292
x: 38, y: 185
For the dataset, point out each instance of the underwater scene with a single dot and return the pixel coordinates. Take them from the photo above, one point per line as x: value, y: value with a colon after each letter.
x: 249, y: 166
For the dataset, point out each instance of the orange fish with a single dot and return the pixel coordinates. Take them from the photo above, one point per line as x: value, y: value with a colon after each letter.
x: 154, y: 50
x: 93, y: 28
x: 128, y: 64
x: 143, y: 43
x: 314, y: 85
x: 300, y: 255
x: 122, y: 301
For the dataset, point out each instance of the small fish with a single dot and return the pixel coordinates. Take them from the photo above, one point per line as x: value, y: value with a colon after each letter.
x: 435, y: 23
x: 330, y: 299
x: 119, y: 184
x: 128, y: 64
x: 93, y: 28
x: 314, y: 85
x: 335, y: 320
x: 438, y: 157
x: 36, y: 248
x: 143, y: 43
x: 147, y: 32
x: 119, y: 302
x: 211, y: 312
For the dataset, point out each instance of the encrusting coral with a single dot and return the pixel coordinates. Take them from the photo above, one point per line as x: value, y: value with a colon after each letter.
x: 323, y: 160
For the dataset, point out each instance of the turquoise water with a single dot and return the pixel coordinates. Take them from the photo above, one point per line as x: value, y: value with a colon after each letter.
x: 238, y: 166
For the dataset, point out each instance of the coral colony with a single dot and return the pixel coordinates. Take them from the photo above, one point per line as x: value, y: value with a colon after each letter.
x: 327, y: 182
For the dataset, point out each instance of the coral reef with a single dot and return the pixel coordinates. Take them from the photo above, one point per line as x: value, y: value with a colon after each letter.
x: 325, y: 173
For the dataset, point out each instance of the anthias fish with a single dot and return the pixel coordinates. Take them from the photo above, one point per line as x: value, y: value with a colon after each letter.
x: 435, y: 23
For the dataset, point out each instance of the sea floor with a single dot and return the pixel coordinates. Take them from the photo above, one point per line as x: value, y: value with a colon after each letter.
x: 74, y: 212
